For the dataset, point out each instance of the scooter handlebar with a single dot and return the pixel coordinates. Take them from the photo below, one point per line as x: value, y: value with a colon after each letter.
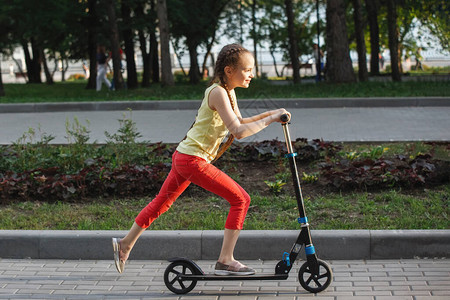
x: 285, y: 118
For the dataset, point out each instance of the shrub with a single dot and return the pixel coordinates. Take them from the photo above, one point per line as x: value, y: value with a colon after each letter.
x: 74, y: 77
x: 32, y: 169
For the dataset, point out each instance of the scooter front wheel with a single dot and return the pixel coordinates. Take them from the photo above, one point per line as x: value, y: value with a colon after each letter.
x: 313, y: 283
x: 173, y: 280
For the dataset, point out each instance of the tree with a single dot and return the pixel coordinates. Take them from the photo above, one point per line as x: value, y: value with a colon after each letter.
x: 372, y: 16
x: 153, y: 57
x: 6, y: 39
x: 43, y: 31
x: 339, y: 65
x: 360, y: 41
x: 434, y: 15
x: 274, y: 31
x: 2, y: 89
x: 91, y: 24
x: 166, y: 65
x: 293, y: 47
x: 393, y: 34
x: 255, y: 36
x: 272, y: 28
x: 146, y: 24
x: 196, y: 21
x: 115, y: 44
x: 128, y: 36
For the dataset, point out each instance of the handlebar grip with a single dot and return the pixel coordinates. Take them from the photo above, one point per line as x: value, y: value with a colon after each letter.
x: 284, y: 118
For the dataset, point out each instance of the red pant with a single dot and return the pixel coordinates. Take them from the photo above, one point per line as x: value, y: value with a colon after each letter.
x: 187, y: 169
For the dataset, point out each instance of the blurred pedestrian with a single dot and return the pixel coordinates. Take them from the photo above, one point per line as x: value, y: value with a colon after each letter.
x: 318, y: 60
x: 102, y: 68
x: 419, y: 59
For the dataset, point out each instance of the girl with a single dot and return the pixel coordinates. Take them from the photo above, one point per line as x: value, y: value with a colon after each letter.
x: 191, y: 162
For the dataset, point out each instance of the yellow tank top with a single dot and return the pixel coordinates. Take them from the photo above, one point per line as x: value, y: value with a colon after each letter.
x: 207, y: 133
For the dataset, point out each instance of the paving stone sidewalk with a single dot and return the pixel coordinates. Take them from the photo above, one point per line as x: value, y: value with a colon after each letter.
x: 414, y: 279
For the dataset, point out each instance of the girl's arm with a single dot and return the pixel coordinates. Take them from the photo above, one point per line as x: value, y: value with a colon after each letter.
x: 239, y: 127
x: 256, y: 117
x: 252, y: 118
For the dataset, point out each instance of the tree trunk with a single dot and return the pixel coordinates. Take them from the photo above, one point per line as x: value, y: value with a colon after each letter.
x: 166, y: 65
x: 400, y: 51
x: 48, y: 75
x: 208, y: 53
x: 293, y: 48
x: 92, y: 44
x: 128, y: 38
x: 28, y: 61
x: 19, y: 67
x: 33, y: 64
x: 339, y: 65
x: 139, y: 11
x: 272, y: 53
x: 36, y: 62
x: 63, y: 70
x: 145, y: 59
x: 255, y: 38
x: 372, y: 16
x: 154, y: 59
x: 153, y: 45
x: 2, y: 89
x: 393, y: 39
x: 115, y: 44
x: 194, y: 71
x: 360, y: 42
x: 178, y: 58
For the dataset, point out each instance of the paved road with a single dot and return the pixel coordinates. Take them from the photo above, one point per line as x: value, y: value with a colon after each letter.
x: 333, y: 124
x: 415, y: 279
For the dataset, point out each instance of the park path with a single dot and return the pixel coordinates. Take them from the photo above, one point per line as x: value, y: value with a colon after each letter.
x: 340, y: 124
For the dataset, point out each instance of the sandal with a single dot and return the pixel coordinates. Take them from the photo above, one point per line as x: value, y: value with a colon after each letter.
x: 234, y: 268
x: 119, y: 256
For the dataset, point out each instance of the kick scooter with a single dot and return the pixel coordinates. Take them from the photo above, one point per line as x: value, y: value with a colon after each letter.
x: 315, y: 275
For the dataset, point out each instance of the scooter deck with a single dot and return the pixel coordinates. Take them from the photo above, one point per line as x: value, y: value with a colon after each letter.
x: 260, y: 276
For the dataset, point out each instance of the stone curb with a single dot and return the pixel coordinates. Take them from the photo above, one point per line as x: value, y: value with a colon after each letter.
x: 244, y: 103
x: 205, y: 245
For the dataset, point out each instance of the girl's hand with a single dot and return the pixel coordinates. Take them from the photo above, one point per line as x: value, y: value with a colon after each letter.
x: 281, y: 112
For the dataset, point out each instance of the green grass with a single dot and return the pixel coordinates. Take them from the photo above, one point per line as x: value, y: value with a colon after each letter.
x: 75, y: 91
x: 395, y: 209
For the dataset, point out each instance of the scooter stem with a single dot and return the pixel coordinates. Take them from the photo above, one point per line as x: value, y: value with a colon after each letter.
x: 287, y: 138
x: 296, y: 180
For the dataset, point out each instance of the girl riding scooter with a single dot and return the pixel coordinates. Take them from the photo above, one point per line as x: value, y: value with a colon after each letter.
x: 218, y: 115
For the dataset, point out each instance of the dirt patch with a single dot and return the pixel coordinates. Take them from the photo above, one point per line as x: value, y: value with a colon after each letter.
x: 251, y: 175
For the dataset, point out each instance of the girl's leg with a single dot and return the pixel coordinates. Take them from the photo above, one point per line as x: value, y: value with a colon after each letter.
x: 214, y: 180
x: 172, y: 188
x: 127, y: 243
x: 230, y: 238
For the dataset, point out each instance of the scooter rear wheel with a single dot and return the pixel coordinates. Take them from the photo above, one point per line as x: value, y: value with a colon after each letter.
x: 172, y: 277
x: 315, y: 284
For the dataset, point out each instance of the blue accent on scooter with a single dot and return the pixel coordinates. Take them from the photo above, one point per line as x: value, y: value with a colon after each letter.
x: 310, y: 250
x: 294, y: 154
x: 287, y: 259
x: 303, y: 220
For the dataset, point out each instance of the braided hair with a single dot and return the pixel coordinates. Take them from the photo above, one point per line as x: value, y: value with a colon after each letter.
x: 228, y: 56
